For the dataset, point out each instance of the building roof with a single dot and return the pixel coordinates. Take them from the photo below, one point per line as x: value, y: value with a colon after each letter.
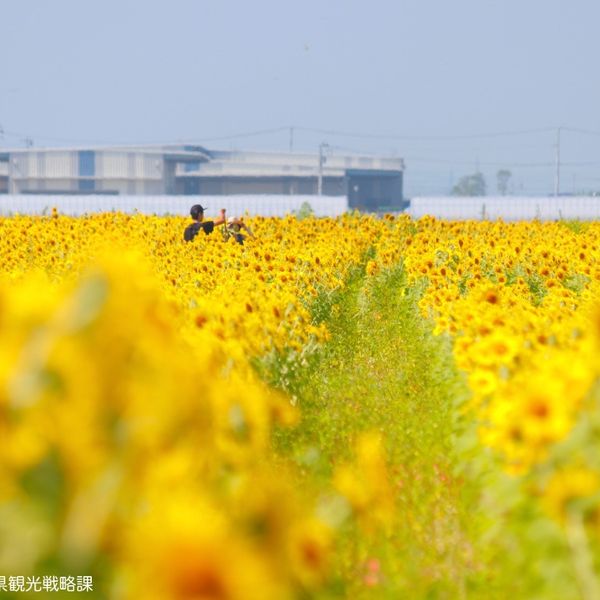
x: 243, y: 161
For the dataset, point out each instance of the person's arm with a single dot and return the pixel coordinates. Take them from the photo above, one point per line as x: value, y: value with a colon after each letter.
x: 221, y: 218
x: 246, y: 228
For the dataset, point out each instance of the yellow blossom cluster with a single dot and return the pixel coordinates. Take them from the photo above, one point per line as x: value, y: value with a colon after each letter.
x: 134, y: 432
x: 137, y: 437
x: 520, y: 303
x: 275, y: 275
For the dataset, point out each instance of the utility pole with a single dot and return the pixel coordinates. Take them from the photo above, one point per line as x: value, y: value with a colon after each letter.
x: 322, y: 159
x: 291, y: 139
x: 557, y: 175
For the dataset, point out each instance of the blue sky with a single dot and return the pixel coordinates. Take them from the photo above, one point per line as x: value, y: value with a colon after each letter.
x: 414, y: 78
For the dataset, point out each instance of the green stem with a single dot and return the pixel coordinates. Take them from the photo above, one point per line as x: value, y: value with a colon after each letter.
x: 582, y: 559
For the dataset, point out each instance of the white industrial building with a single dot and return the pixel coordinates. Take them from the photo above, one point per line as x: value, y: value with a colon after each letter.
x: 369, y: 183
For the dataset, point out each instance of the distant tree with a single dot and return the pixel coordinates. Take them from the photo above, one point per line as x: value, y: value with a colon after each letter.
x: 305, y: 210
x: 470, y: 185
x: 502, y: 178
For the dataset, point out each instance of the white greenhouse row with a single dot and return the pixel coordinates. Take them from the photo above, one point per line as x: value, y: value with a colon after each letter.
x: 508, y: 208
x: 239, y: 205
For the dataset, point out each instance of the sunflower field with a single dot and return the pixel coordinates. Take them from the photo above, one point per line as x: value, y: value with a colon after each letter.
x: 357, y: 407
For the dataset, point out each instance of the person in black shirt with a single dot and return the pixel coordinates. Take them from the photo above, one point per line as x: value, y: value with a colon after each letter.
x: 197, y: 213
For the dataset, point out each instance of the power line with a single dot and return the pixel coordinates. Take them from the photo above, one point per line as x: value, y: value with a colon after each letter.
x: 425, y: 137
x: 500, y: 163
x: 20, y: 135
x: 482, y: 163
x: 584, y: 131
x: 331, y: 132
x: 246, y: 134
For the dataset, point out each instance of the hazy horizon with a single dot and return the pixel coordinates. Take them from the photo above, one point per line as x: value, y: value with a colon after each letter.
x: 426, y: 81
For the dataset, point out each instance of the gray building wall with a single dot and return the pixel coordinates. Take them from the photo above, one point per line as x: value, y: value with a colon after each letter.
x: 332, y: 186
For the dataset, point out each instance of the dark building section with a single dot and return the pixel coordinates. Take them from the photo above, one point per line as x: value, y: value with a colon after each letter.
x: 373, y: 190
x: 4, y: 158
